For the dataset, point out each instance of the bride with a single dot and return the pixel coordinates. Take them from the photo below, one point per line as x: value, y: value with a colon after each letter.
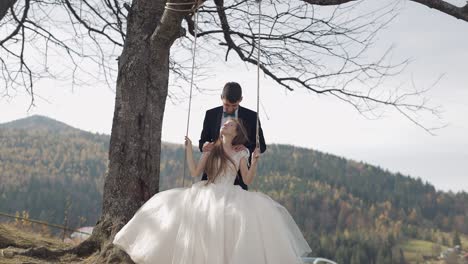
x: 214, y: 221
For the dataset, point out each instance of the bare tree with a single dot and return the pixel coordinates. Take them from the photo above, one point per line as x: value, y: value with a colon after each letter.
x: 60, y: 40
x: 304, y: 46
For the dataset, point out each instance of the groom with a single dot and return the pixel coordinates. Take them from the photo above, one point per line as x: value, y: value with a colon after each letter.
x: 231, y: 98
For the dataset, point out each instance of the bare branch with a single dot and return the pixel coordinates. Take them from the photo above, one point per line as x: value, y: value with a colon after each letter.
x: 304, y: 45
x: 440, y: 5
x: 323, y: 55
x: 447, y: 8
x: 4, y: 6
x: 327, y: 2
x: 20, y: 22
x: 43, y: 29
x: 90, y: 28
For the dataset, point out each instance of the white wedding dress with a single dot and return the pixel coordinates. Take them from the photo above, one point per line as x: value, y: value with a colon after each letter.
x: 217, y: 223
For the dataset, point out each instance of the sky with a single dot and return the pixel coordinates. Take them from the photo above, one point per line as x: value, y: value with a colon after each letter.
x: 436, y: 45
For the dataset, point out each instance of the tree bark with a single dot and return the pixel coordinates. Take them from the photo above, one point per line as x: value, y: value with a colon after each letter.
x: 142, y: 87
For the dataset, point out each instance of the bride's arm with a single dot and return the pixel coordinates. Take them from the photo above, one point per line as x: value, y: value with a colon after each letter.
x: 248, y: 174
x: 195, y: 170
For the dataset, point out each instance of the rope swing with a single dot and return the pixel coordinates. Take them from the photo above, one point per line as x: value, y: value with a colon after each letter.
x: 257, y: 141
x: 179, y: 7
x: 194, y: 9
x: 194, y: 49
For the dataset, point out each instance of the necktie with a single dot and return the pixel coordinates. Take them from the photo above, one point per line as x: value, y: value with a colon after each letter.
x: 229, y: 115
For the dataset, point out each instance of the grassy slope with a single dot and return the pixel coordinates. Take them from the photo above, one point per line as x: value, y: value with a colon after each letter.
x: 414, y: 249
x: 16, y: 239
x: 11, y: 238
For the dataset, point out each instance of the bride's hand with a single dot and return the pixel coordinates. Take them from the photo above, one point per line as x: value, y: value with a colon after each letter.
x: 256, y: 155
x: 188, y: 142
x: 207, y: 147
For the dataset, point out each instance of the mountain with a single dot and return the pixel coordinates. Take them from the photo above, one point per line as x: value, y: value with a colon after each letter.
x: 45, y: 163
x: 38, y: 122
x: 349, y: 211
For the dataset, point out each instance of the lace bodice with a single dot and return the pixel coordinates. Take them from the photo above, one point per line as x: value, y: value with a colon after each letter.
x: 230, y: 173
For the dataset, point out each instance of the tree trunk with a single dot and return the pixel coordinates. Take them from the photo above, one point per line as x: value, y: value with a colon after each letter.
x: 134, y: 154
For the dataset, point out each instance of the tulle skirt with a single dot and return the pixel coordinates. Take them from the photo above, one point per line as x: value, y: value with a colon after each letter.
x: 212, y: 224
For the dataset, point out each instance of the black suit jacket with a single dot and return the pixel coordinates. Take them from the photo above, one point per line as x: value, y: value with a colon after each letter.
x: 212, y: 125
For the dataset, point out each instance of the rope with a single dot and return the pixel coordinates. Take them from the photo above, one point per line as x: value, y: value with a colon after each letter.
x: 194, y: 48
x: 257, y: 141
x: 169, y: 6
x: 195, y: 10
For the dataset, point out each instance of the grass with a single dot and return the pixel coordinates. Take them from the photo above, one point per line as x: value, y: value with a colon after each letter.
x: 9, y: 233
x: 12, y: 238
x: 464, y: 240
x: 414, y: 250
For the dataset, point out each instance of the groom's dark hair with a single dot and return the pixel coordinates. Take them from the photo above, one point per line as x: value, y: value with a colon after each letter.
x: 232, y: 92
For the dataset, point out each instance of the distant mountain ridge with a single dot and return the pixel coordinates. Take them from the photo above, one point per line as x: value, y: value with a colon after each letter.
x: 48, y: 167
x: 37, y: 122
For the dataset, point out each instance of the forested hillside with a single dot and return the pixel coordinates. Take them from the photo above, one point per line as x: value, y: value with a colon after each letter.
x: 349, y: 211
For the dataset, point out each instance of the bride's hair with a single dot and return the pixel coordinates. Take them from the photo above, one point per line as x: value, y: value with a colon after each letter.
x: 218, y: 160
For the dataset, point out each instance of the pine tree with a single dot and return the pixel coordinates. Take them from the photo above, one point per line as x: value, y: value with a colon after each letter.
x: 456, y: 240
